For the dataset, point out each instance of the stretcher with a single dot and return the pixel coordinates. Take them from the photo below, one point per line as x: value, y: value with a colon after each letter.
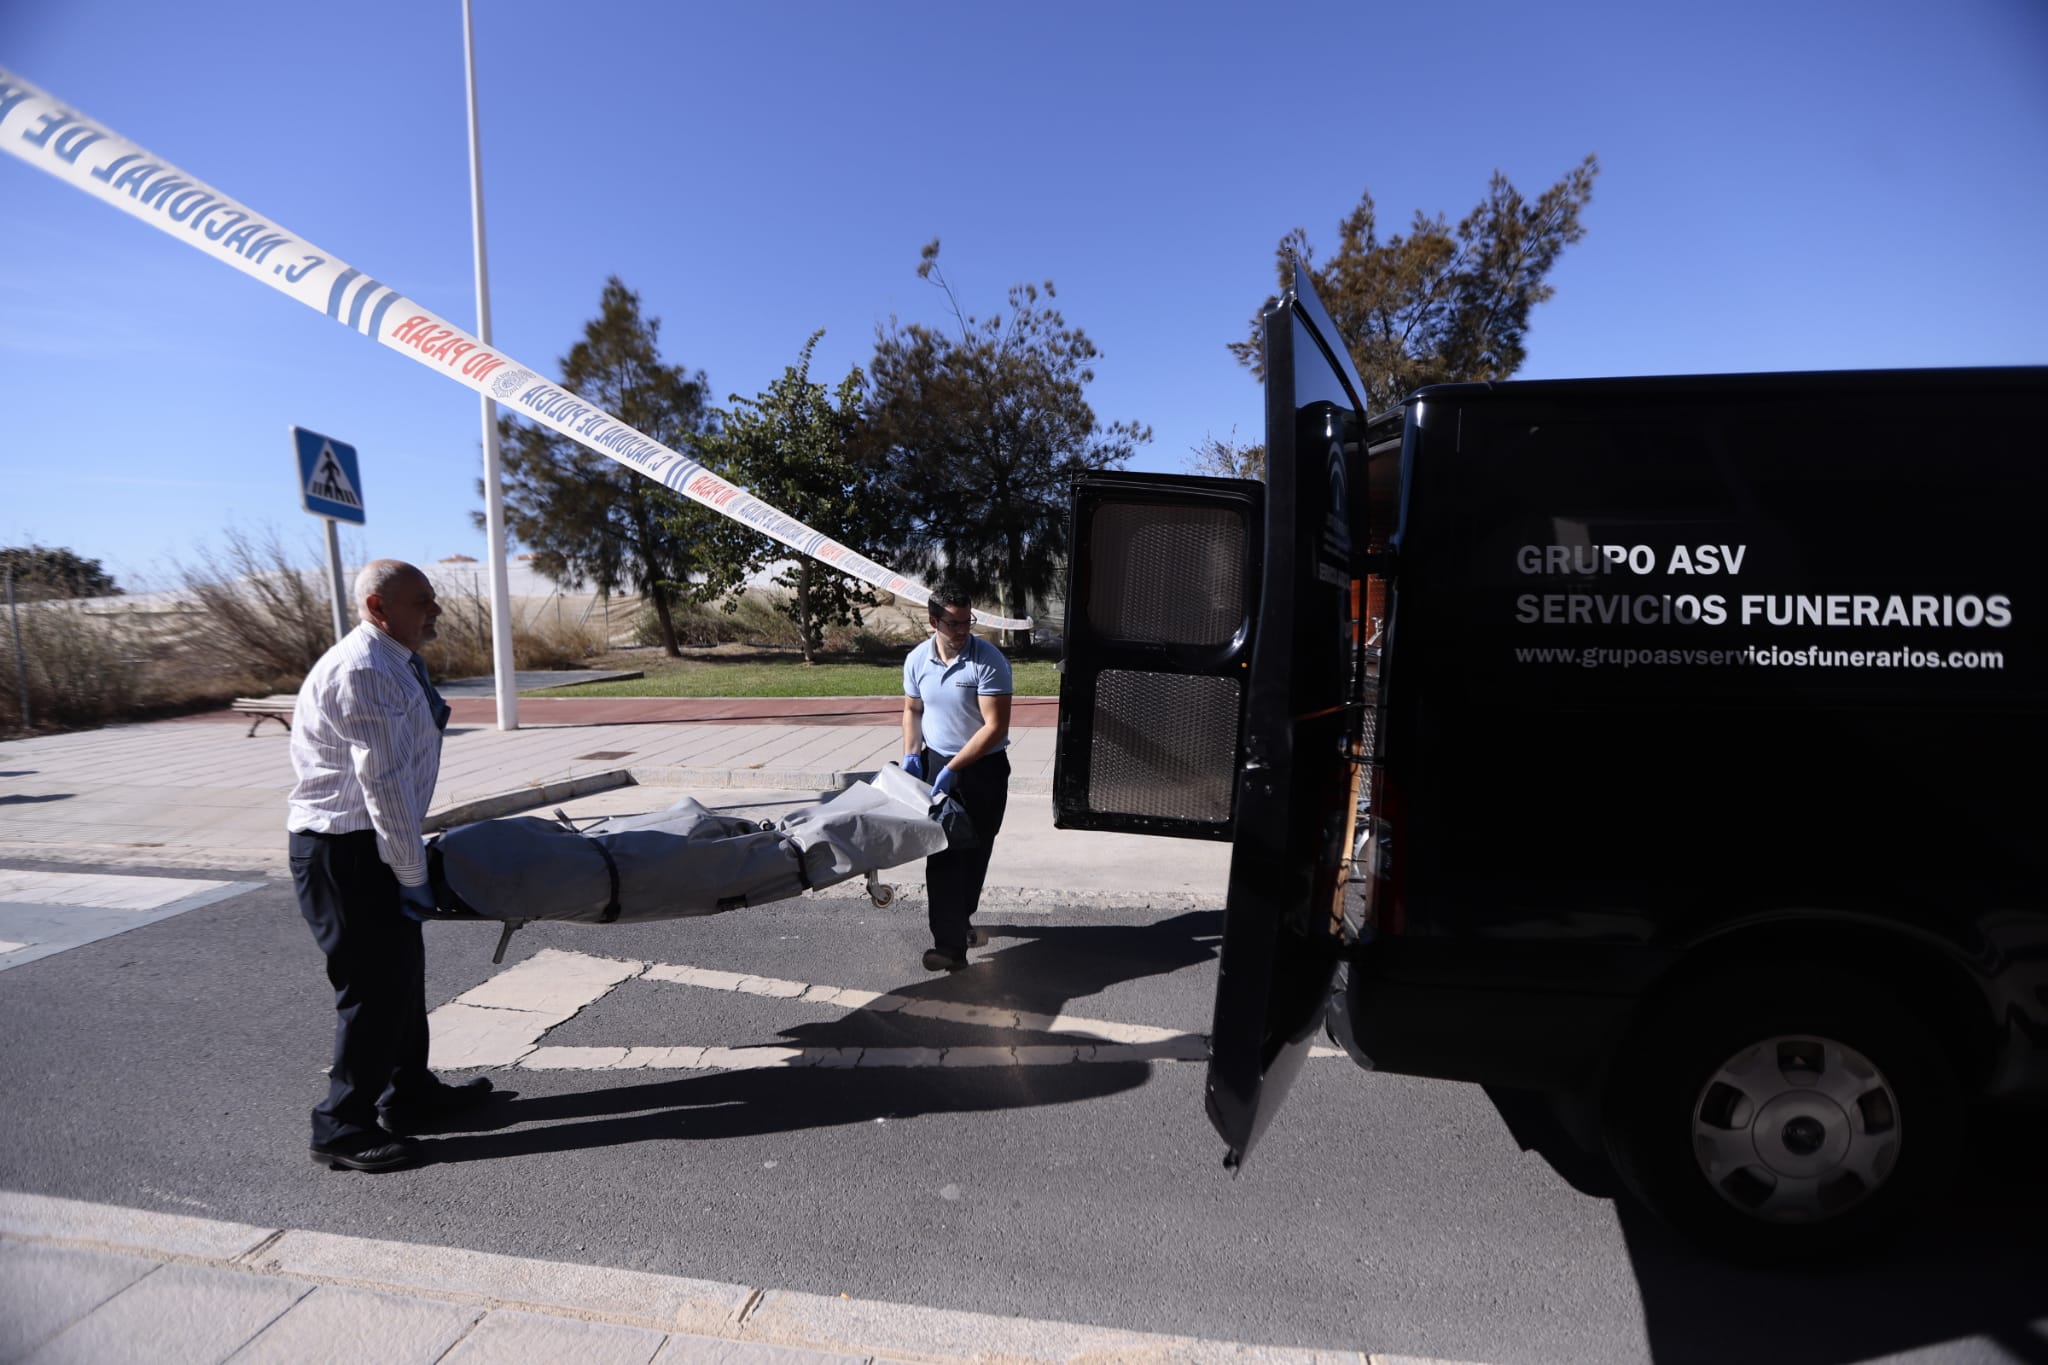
x: 683, y: 861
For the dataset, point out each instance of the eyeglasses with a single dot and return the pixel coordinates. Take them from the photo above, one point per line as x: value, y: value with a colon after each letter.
x: 953, y: 622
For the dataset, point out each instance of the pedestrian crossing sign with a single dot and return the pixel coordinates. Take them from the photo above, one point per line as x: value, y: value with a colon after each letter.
x: 329, y: 482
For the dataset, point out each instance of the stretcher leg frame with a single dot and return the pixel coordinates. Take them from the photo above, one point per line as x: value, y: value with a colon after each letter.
x: 505, y: 937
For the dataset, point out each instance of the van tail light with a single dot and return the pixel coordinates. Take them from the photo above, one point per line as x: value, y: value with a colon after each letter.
x: 1386, y: 907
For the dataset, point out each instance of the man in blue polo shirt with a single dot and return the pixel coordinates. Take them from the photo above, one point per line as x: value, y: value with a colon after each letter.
x: 956, y: 726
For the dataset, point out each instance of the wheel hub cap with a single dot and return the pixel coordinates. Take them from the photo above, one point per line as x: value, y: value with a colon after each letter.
x: 1796, y: 1129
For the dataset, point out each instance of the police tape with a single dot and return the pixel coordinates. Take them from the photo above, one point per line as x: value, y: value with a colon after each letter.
x: 40, y: 130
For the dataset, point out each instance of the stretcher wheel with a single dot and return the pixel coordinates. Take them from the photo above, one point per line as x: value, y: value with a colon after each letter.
x: 882, y: 895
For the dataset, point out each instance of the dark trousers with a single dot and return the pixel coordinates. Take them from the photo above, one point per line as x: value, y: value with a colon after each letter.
x: 377, y: 964
x: 952, y: 879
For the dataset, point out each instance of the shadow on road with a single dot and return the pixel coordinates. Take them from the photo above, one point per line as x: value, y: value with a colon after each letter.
x: 729, y: 1104
x: 1040, y: 977
x: 1978, y: 1268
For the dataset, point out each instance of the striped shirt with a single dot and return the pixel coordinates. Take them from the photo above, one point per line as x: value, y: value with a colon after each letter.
x: 365, y: 749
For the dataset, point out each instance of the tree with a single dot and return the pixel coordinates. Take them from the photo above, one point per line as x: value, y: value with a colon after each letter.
x: 791, y: 446
x: 978, y: 430
x: 1440, y: 304
x: 1224, y: 457
x: 44, y: 571
x: 588, y: 518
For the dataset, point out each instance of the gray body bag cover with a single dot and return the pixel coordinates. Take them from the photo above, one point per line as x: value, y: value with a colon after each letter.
x: 681, y: 861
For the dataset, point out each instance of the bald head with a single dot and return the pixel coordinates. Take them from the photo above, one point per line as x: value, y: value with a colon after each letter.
x: 379, y: 576
x: 396, y: 598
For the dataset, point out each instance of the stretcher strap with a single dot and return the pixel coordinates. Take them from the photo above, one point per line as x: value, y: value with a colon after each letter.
x: 612, y: 906
x: 803, y: 871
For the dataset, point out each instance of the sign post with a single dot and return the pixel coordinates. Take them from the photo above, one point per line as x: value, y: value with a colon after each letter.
x: 331, y: 488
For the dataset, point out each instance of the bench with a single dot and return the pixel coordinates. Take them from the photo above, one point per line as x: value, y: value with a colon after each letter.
x: 277, y: 708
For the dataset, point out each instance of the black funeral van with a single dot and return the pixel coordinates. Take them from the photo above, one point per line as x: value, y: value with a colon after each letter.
x: 1674, y: 747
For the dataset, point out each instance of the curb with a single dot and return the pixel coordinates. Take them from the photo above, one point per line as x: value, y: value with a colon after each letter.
x: 524, y: 798
x: 513, y: 1290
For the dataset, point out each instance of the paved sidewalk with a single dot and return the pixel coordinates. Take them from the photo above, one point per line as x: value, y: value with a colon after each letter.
x: 94, y: 1283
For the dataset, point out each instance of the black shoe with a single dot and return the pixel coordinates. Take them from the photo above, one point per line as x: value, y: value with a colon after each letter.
x: 939, y: 960
x: 366, y: 1152
x: 977, y: 938
x: 420, y: 1113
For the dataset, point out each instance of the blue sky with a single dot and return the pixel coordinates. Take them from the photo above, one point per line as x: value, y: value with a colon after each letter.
x: 1800, y: 184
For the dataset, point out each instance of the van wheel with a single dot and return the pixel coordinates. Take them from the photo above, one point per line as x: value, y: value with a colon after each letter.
x: 1785, y: 1114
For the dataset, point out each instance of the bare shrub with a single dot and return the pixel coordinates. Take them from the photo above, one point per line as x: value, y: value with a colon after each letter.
x: 277, y: 616
x: 752, y: 617
x: 874, y: 641
x: 540, y: 639
x: 81, y: 669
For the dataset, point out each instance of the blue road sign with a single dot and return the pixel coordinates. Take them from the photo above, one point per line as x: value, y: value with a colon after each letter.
x: 329, y: 481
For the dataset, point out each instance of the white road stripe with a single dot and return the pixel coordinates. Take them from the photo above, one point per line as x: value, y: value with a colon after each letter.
x: 502, y: 1023
x: 42, y: 913
x: 881, y: 1002
x: 104, y: 891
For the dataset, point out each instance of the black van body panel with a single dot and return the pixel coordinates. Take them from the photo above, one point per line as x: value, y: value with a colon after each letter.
x: 1801, y: 701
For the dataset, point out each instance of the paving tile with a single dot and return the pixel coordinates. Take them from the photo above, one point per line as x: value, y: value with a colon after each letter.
x: 44, y: 1289
x: 672, y: 1302
x: 509, y: 1337
x: 184, y: 1313
x: 687, y: 1350
x: 339, y: 1325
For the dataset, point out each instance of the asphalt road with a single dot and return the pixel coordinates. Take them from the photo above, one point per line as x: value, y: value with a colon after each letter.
x: 171, y: 1066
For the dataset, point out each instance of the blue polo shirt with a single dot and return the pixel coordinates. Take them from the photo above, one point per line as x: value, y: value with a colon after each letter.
x: 950, y: 692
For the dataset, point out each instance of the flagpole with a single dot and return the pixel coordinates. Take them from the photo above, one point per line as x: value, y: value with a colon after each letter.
x: 494, y: 494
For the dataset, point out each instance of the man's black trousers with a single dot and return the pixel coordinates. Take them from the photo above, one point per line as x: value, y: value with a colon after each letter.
x: 376, y: 962
x: 952, y: 879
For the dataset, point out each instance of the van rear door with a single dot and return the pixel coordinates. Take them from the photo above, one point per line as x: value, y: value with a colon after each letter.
x: 1164, y: 578
x: 1298, y: 773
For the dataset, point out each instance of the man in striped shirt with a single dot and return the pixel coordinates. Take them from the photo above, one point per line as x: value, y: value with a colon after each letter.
x: 366, y: 748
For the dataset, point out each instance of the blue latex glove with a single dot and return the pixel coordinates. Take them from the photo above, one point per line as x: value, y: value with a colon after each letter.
x: 914, y: 765
x: 417, y: 902
x: 945, y: 781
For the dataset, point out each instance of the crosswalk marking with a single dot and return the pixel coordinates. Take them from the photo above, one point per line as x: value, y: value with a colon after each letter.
x: 502, y: 1023
x: 48, y: 912
x: 105, y: 891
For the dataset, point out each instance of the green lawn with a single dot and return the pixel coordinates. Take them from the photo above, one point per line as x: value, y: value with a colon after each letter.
x: 694, y: 678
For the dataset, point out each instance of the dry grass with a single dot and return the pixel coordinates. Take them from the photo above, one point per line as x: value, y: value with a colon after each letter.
x: 540, y: 639
x: 755, y: 618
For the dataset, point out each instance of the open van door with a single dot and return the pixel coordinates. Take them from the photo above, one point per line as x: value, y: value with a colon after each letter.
x: 1297, y: 780
x: 1164, y: 579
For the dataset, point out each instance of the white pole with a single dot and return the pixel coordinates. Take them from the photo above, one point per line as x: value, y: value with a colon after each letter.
x: 494, y: 493
x: 334, y: 583
x: 28, y: 720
